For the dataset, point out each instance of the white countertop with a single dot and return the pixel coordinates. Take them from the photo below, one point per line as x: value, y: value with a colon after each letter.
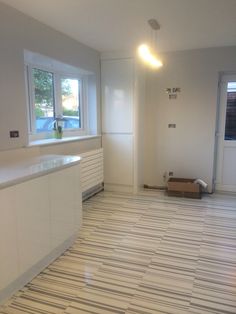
x: 12, y: 173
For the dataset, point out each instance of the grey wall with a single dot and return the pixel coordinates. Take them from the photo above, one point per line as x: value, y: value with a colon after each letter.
x: 188, y: 150
x: 19, y: 32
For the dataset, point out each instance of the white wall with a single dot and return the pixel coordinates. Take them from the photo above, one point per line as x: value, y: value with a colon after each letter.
x: 188, y: 150
x: 71, y: 148
x: 19, y: 32
x: 68, y: 148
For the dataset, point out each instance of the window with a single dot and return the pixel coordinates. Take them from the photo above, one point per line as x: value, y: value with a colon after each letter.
x: 230, y: 122
x: 43, y: 102
x: 70, y: 99
x: 59, y: 94
x: 55, y: 96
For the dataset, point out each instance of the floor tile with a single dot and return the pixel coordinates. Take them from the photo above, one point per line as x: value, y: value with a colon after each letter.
x: 97, y: 301
x: 142, y: 254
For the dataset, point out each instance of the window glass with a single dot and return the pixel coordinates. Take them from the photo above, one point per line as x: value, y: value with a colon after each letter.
x: 43, y: 98
x: 55, y: 99
x: 230, y: 122
x: 70, y: 93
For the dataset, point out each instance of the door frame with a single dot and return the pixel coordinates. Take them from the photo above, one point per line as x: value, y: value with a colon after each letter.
x: 218, y: 185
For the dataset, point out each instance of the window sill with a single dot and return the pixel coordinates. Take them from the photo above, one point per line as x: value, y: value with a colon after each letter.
x: 54, y: 141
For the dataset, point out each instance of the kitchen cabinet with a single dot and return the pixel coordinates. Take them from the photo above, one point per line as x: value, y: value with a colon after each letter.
x: 123, y: 101
x: 39, y: 219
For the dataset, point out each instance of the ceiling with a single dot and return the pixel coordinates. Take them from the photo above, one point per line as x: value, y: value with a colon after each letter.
x: 119, y: 25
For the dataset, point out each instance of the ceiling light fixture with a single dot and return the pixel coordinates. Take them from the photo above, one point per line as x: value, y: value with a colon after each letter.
x: 147, y: 52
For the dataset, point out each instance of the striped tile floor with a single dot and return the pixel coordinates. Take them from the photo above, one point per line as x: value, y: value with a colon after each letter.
x: 142, y: 254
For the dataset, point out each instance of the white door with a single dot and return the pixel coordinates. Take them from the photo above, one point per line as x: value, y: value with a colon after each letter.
x: 226, y: 136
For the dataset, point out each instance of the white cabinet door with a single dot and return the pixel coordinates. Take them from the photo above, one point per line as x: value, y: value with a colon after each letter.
x: 118, y: 159
x: 33, y: 221
x: 117, y: 95
x: 78, y: 199
x: 9, y: 269
x: 62, y: 186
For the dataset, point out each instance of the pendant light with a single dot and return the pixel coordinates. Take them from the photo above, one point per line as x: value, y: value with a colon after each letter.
x: 148, y: 52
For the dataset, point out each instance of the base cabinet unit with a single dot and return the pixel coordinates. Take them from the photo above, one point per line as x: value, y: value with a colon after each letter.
x: 9, y: 261
x: 63, y: 203
x: 31, y: 201
x: 39, y: 220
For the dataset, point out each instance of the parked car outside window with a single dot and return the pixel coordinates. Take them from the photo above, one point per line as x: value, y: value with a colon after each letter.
x: 46, y: 124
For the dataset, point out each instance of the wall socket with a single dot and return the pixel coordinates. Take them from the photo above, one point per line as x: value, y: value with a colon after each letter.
x: 171, y: 173
x: 172, y: 96
x: 164, y: 176
x: 14, y: 133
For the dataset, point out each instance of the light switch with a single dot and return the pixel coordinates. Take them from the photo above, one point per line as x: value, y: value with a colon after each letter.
x: 14, y: 133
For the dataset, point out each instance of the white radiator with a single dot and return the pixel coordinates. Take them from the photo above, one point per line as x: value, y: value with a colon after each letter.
x: 91, y: 169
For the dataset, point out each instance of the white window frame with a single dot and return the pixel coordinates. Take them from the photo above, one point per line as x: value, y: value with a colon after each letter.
x: 57, y: 76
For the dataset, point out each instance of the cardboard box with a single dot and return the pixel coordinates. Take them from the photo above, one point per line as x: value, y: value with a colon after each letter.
x: 183, y: 188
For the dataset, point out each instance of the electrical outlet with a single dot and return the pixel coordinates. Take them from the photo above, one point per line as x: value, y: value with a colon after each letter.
x: 14, y: 133
x: 171, y: 173
x: 172, y: 96
x: 164, y: 176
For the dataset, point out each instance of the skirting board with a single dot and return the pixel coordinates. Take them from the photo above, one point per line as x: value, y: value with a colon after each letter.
x: 20, y: 282
x: 225, y: 188
x: 118, y: 188
x: 96, y: 189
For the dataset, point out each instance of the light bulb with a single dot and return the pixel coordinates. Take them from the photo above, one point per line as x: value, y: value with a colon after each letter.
x: 148, y: 57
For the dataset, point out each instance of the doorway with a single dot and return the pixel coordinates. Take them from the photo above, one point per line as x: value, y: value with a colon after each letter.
x: 226, y: 136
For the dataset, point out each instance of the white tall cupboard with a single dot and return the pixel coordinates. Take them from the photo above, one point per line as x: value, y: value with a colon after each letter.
x: 123, y: 100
